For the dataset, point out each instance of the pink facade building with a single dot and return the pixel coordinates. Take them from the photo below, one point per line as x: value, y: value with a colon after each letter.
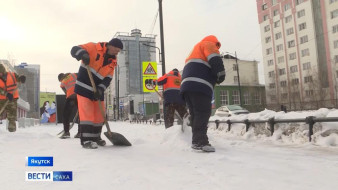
x: 300, y: 51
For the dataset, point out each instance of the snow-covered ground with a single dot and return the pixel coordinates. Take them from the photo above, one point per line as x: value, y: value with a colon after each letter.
x: 162, y: 159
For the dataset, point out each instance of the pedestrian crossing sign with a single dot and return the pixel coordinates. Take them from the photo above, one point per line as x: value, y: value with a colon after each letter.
x: 149, y: 68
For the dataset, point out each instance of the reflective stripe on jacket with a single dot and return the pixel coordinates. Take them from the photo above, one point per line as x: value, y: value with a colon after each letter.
x: 101, y: 66
x: 197, y: 74
x: 69, y: 84
x: 10, y: 86
x: 171, y: 87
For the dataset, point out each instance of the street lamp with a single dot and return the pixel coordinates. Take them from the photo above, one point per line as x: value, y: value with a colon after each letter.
x: 238, y: 79
x: 159, y: 55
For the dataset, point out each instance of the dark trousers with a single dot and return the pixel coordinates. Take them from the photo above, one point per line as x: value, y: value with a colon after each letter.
x: 70, y: 105
x: 169, y: 113
x: 199, y: 106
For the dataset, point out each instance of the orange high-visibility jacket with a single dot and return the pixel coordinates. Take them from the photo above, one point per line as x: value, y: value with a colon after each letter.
x: 203, y: 67
x: 171, y: 87
x: 101, y: 66
x: 10, y: 86
x: 69, y: 84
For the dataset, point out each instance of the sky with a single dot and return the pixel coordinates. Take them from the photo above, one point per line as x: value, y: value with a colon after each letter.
x: 162, y: 159
x: 43, y: 32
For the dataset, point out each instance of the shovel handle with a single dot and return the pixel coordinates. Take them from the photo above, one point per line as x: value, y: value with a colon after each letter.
x: 100, y: 105
x: 4, y: 106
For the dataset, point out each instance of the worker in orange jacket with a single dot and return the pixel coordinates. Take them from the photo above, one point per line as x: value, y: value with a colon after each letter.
x: 171, y: 83
x: 203, y: 69
x: 68, y: 85
x: 102, y: 60
x: 9, y: 93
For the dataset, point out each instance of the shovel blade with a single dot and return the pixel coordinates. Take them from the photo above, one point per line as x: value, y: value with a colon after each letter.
x: 117, y: 139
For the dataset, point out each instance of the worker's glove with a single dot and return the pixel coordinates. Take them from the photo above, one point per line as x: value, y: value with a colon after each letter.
x: 85, y: 59
x: 9, y: 96
x: 22, y: 78
x: 99, y: 92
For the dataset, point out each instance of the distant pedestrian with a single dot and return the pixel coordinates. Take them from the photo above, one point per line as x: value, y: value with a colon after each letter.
x: 203, y: 69
x: 68, y: 81
x: 102, y: 60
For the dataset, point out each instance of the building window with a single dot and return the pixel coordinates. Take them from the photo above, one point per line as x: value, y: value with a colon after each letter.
x: 234, y: 67
x: 335, y: 44
x: 306, y: 66
x: 257, y: 98
x: 279, y: 47
x: 268, y: 51
x: 270, y: 62
x: 288, y: 18
x: 287, y: 7
x: 289, y: 31
x: 335, y: 28
x: 273, y: 2
x: 265, y: 6
x: 336, y: 59
x: 291, y: 43
x: 246, y: 98
x: 272, y: 85
x: 272, y: 74
x: 284, y: 96
x: 283, y: 83
x: 276, y: 24
x: 308, y: 79
x: 301, y: 13
x: 268, y: 39
x: 281, y: 59
x: 266, y: 28
x: 235, y: 78
x: 265, y: 17
x: 299, y: 2
x: 308, y: 93
x: 295, y: 81
x: 334, y: 14
x: 337, y: 74
x: 302, y: 26
x: 292, y: 56
x: 281, y: 72
x: 305, y: 52
x: 332, y: 1
x: 235, y: 97
x: 278, y: 35
x: 293, y: 69
x: 275, y: 12
x: 303, y: 39
x: 224, y: 97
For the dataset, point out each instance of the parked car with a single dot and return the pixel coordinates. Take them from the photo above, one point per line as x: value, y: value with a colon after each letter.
x: 229, y: 110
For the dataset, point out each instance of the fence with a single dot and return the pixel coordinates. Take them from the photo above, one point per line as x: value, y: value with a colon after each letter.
x: 272, y: 121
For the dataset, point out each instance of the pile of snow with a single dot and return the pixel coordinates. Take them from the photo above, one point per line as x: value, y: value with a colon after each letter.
x: 162, y: 159
x: 325, y: 133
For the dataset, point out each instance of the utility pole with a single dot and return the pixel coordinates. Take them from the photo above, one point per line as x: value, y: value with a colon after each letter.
x: 162, y: 36
x: 239, y: 82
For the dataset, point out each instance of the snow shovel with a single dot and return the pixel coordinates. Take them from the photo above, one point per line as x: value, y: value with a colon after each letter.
x: 75, y: 117
x: 115, y: 138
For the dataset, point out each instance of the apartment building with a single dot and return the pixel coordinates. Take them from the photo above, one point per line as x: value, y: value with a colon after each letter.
x: 300, y: 51
x: 125, y: 95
